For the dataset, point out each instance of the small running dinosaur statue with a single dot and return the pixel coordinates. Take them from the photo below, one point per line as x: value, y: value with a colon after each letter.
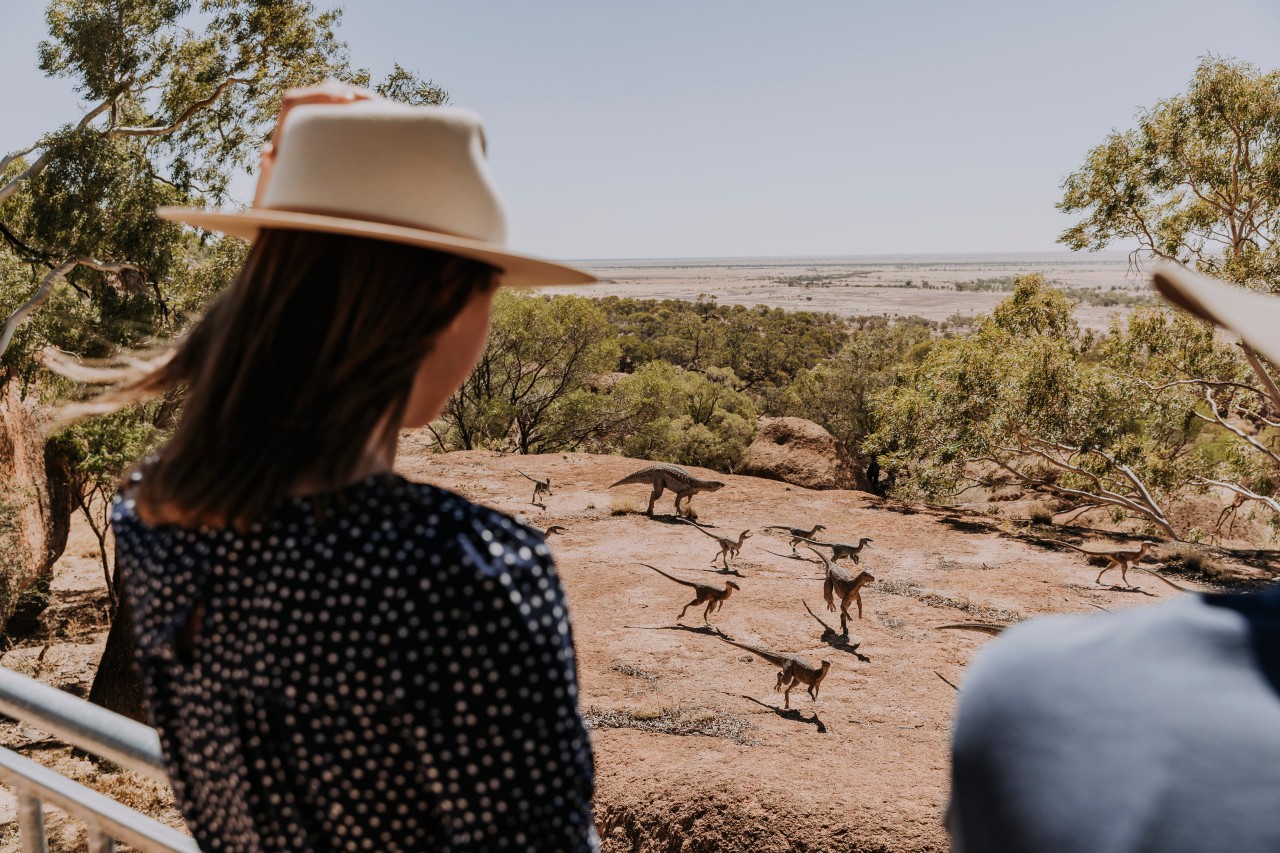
x: 794, y: 670
x: 713, y: 596
x: 670, y: 477
x: 540, y: 487
x: 798, y: 533
x: 841, y: 550
x: 728, y: 547
x: 840, y: 583
x: 1124, y: 560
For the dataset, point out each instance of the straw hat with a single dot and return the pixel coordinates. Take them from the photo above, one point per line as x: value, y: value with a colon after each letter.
x: 1253, y: 317
x: 387, y: 171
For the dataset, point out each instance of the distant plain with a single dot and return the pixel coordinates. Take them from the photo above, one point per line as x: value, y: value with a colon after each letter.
x: 867, y: 285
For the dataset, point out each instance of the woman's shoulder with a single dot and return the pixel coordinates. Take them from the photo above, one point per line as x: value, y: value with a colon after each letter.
x: 440, y: 508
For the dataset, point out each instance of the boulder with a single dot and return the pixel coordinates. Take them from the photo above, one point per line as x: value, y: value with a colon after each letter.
x: 802, y: 453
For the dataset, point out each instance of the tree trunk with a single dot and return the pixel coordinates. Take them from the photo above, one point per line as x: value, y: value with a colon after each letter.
x: 117, y: 685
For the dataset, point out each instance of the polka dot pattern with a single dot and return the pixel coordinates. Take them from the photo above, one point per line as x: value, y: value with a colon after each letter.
x: 391, y: 670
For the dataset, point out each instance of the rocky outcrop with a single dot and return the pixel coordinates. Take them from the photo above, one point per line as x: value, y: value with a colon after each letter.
x: 802, y: 453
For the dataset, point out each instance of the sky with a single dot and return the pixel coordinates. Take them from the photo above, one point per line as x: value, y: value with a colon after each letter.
x: 724, y: 128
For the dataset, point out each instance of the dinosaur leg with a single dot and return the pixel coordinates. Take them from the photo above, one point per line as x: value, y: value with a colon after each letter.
x: 1124, y: 574
x: 687, y: 606
x: 786, y: 694
x: 782, y: 676
x: 813, y: 691
x: 710, y: 606
x: 724, y: 552
x: 844, y: 617
x: 1111, y: 565
x: 653, y: 498
x: 828, y: 590
x: 857, y: 596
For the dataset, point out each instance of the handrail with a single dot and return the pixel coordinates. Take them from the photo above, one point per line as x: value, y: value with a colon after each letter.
x: 35, y: 782
x: 97, y: 730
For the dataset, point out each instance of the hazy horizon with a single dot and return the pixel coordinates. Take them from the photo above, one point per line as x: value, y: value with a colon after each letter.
x: 746, y: 129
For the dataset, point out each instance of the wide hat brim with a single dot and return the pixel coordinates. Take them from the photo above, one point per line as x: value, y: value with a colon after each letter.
x: 517, y: 270
x: 1253, y: 317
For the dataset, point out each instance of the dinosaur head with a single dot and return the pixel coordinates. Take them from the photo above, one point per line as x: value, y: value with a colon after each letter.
x: 864, y: 542
x: 556, y: 528
x: 732, y: 585
x: 712, y: 485
x: 819, y: 527
x: 746, y: 534
x: 826, y: 664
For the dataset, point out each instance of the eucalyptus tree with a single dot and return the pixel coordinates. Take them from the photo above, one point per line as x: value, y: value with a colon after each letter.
x: 178, y: 98
x: 1198, y: 181
x: 1024, y: 400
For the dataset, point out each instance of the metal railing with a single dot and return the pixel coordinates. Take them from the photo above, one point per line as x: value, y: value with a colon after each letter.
x: 97, y: 731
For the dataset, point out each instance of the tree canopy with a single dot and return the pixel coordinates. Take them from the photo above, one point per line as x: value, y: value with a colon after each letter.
x: 1198, y: 179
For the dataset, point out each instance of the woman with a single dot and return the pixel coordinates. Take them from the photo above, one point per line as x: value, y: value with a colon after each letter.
x: 336, y: 658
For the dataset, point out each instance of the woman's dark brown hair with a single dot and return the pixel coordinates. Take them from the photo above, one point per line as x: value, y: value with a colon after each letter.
x: 299, y: 368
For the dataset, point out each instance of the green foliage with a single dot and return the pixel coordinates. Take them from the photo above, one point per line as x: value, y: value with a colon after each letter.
x: 764, y: 347
x: 1198, y: 179
x: 1018, y: 399
x: 837, y: 394
x: 528, y: 391
x: 683, y: 416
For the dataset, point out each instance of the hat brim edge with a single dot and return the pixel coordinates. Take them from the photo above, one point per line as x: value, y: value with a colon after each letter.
x: 1253, y: 317
x: 517, y: 269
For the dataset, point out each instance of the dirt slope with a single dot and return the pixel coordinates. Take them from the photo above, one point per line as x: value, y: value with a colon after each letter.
x: 863, y: 768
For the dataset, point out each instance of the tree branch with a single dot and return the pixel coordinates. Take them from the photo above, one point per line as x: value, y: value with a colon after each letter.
x: 43, y: 160
x: 182, y: 119
x: 14, y: 155
x: 1263, y: 374
x: 55, y: 275
x: 1270, y: 503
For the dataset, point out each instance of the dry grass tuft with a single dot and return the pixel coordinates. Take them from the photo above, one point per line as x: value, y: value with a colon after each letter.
x: 933, y: 599
x: 624, y: 505
x: 708, y: 722
x: 1193, y: 560
x: 634, y: 671
x: 1040, y: 514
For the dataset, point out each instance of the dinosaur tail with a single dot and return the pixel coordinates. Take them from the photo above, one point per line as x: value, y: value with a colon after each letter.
x: 760, y: 653
x: 665, y: 575
x: 637, y: 477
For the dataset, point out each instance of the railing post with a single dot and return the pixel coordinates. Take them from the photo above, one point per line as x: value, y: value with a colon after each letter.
x: 100, y: 842
x: 31, y: 823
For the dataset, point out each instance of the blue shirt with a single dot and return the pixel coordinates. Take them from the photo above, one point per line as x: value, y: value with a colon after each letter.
x: 1153, y: 729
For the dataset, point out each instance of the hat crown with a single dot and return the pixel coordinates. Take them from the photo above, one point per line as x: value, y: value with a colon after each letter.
x: 380, y: 161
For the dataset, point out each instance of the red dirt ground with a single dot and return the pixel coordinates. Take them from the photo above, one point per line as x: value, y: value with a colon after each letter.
x: 865, y: 767
x: 693, y: 749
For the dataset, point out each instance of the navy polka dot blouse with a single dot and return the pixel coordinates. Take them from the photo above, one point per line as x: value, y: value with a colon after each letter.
x: 389, y: 670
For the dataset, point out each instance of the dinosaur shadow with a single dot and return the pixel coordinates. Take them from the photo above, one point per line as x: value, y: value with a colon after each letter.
x: 708, y: 630
x: 1117, y: 588
x: 788, y: 556
x: 723, y: 571
x: 791, y: 714
x: 667, y: 518
x: 841, y: 643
